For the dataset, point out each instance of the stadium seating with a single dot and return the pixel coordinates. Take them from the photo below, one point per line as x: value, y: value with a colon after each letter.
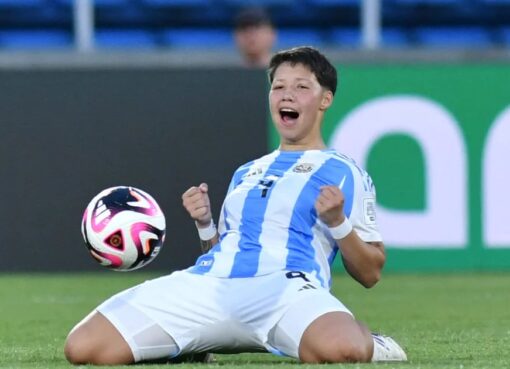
x: 121, y: 39
x: 97, y: 3
x: 496, y: 2
x: 264, y: 3
x: 351, y: 37
x: 205, y: 23
x: 20, y: 3
x: 292, y: 37
x: 471, y: 37
x: 504, y: 36
x: 429, y: 2
x: 35, y: 39
x: 177, y: 3
x: 333, y: 3
x: 193, y: 38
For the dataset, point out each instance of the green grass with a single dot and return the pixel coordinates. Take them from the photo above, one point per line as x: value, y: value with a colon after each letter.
x: 443, y: 321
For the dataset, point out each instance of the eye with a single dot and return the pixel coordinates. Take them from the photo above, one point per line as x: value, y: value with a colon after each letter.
x: 277, y: 87
x: 303, y: 87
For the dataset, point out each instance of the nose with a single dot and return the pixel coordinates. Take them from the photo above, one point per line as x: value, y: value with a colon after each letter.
x: 287, y: 95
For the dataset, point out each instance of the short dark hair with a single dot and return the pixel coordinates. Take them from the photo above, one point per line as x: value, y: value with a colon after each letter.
x: 311, y: 58
x: 252, y: 17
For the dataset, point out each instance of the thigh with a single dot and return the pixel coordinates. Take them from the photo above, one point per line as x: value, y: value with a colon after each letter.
x: 162, y: 318
x: 143, y: 335
x: 302, y: 311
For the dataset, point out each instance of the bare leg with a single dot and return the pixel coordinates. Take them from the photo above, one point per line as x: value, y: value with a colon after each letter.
x: 96, y: 341
x: 336, y: 337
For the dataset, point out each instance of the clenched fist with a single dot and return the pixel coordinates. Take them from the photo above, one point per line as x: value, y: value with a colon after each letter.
x: 330, y: 205
x: 196, y: 201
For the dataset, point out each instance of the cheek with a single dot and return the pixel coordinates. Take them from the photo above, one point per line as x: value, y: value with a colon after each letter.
x: 273, y: 100
x: 273, y: 111
x: 307, y: 104
x: 312, y: 103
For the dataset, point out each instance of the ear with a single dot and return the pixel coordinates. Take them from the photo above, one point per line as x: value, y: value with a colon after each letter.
x: 327, y: 100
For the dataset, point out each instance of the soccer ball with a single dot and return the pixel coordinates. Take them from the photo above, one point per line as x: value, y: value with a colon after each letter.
x: 123, y: 228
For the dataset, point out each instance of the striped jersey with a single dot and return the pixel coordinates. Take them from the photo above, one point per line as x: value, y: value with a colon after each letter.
x: 268, y: 220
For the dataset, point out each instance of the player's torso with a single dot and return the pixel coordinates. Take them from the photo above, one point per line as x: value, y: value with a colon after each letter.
x: 269, y: 215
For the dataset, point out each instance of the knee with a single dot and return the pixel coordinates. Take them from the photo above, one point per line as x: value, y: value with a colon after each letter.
x: 96, y: 341
x: 350, y: 352
x: 75, y: 350
x: 337, y: 351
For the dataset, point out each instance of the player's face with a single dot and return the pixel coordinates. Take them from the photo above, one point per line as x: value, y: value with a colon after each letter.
x: 297, y: 102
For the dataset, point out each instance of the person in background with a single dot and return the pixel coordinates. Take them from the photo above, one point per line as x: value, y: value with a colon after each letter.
x: 255, y: 36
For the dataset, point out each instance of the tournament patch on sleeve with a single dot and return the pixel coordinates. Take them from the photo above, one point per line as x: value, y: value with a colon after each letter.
x: 369, y: 210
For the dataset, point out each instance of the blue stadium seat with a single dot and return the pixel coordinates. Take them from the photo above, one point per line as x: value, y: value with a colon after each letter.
x: 21, y: 3
x: 330, y: 3
x: 452, y: 37
x: 35, y: 39
x: 197, y: 38
x: 111, y: 2
x: 504, y: 34
x: 351, y: 37
x: 177, y: 3
x: 261, y: 3
x: 495, y: 2
x: 125, y: 38
x: 99, y: 3
x: 394, y: 37
x: 116, y: 13
x: 298, y: 37
x: 345, y: 37
x: 428, y: 2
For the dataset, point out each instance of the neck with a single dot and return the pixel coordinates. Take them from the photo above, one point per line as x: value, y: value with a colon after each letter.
x: 295, y: 146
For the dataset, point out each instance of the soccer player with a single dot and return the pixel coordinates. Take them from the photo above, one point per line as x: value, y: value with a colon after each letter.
x: 263, y: 283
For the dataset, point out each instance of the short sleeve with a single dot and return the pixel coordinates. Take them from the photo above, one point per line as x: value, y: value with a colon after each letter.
x: 363, y: 215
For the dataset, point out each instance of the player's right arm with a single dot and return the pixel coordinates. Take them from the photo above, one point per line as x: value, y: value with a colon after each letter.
x: 362, y: 260
x: 196, y: 202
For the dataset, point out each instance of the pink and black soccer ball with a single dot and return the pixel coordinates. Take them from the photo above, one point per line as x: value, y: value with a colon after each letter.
x: 123, y: 228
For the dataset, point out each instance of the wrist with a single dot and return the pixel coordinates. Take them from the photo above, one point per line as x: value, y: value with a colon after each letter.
x: 342, y: 230
x: 206, y: 233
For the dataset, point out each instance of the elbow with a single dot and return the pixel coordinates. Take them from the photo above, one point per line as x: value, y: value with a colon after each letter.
x: 374, y: 275
x: 371, y: 280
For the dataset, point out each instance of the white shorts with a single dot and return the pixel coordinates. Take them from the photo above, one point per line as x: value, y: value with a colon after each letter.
x: 184, y: 312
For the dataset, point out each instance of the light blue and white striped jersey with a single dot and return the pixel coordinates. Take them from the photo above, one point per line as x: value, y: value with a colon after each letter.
x: 268, y: 220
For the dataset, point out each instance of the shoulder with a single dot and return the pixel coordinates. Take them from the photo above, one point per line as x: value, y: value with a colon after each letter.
x: 342, y: 161
x: 346, y: 163
x: 241, y: 170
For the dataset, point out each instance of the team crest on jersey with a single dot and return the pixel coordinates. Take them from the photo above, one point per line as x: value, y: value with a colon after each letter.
x: 303, y: 168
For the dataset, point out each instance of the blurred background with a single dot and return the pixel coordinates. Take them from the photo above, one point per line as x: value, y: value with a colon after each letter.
x: 198, y: 25
x: 164, y: 94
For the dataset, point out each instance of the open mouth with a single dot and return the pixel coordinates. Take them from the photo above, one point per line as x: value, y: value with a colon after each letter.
x: 288, y: 115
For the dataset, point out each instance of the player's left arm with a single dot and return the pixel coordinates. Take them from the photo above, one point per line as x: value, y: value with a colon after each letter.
x: 363, y: 260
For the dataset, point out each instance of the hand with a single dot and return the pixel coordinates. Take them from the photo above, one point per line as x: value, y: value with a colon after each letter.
x: 196, y: 201
x: 330, y: 206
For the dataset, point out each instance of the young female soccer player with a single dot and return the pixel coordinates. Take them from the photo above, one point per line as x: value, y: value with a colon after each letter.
x: 263, y: 284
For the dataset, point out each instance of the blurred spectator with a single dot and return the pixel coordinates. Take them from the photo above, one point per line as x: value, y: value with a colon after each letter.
x: 255, y: 36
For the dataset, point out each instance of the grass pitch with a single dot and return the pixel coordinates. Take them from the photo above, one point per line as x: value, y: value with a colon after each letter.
x: 443, y: 321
